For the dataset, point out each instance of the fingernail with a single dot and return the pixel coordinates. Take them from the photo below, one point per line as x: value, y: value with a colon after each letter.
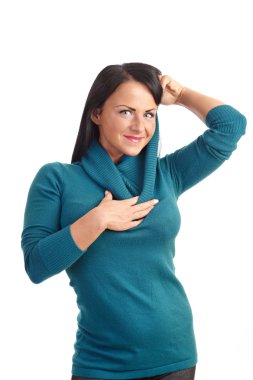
x: 155, y: 201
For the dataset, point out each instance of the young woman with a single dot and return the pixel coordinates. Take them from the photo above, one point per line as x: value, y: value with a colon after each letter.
x: 117, y: 248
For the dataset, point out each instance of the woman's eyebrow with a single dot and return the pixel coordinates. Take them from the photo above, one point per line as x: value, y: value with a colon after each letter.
x: 133, y: 109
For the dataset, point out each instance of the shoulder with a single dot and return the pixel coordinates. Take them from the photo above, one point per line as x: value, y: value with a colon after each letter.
x: 58, y: 173
x: 57, y: 169
x: 51, y: 179
x: 50, y: 170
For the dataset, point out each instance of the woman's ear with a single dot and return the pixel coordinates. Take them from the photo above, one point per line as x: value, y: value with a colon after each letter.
x: 95, y: 116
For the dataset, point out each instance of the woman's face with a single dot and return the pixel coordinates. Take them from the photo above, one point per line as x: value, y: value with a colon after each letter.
x: 129, y: 111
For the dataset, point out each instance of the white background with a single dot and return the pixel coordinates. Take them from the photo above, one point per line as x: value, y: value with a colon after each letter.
x: 51, y: 52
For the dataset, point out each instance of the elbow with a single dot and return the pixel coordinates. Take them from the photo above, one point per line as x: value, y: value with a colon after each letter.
x: 222, y: 142
x: 34, y: 279
x: 34, y: 265
x: 244, y: 123
x: 34, y: 275
x: 240, y: 124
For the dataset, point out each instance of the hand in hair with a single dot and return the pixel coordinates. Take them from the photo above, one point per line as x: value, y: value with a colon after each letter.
x: 171, y: 90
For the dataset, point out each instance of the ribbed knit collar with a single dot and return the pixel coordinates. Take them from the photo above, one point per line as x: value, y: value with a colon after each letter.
x: 132, y: 176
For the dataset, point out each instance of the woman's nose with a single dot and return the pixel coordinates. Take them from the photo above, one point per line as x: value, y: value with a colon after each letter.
x: 138, y: 123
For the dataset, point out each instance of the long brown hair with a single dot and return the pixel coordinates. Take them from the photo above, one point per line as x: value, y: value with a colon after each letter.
x: 104, y: 85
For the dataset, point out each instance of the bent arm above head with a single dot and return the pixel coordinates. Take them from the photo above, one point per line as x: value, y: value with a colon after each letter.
x: 47, y: 248
x: 175, y: 93
x: 195, y: 161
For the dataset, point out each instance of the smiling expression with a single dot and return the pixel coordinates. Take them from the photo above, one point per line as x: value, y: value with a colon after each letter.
x: 129, y: 111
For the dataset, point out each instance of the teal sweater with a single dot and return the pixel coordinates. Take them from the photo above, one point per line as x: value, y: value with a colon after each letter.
x: 134, y: 317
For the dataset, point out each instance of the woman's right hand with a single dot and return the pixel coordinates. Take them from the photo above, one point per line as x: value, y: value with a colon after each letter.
x: 120, y: 215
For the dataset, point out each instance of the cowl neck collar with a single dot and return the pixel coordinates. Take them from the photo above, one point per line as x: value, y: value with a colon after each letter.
x: 132, y: 176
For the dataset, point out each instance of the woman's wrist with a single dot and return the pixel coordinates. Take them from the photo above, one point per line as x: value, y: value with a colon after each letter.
x: 88, y: 228
x: 196, y: 102
x: 180, y: 96
x: 100, y: 218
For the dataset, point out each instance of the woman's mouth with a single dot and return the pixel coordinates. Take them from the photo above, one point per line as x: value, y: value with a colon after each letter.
x: 134, y: 139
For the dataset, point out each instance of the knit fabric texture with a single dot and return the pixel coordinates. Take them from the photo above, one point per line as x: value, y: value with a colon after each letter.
x: 134, y: 316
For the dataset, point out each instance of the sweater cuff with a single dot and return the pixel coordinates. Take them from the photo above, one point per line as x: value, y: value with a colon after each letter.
x: 59, y: 250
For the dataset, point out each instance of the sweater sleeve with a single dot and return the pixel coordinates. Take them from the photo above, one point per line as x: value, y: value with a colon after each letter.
x: 47, y: 248
x: 195, y: 161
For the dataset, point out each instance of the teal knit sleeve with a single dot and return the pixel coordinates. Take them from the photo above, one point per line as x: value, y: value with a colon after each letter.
x: 48, y: 249
x: 197, y: 160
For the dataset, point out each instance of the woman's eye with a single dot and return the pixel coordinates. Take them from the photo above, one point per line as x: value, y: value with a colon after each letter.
x: 150, y: 115
x: 124, y: 111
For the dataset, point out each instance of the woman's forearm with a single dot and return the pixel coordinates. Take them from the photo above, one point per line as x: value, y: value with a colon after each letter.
x: 197, y: 103
x: 87, y: 229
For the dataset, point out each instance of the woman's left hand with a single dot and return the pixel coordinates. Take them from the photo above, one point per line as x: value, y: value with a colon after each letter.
x: 171, y: 90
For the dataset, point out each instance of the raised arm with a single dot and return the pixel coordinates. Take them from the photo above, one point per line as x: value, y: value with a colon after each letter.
x: 175, y: 93
x: 197, y: 160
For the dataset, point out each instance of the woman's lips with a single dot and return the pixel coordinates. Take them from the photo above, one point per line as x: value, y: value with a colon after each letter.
x: 134, y: 139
